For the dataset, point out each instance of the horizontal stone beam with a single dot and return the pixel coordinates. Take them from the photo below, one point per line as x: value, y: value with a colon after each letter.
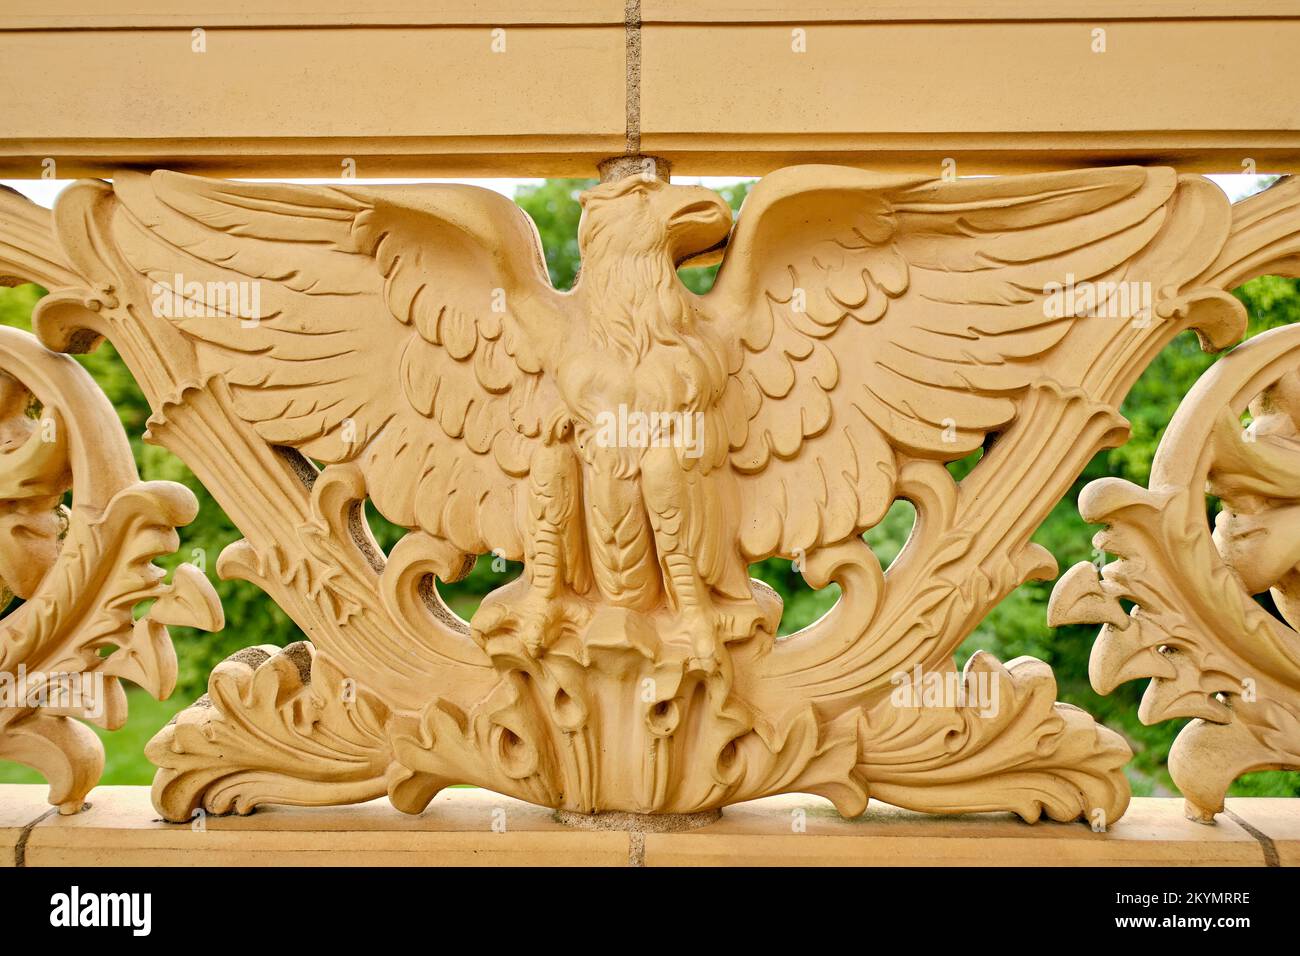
x: 1205, y: 95
x: 312, y: 101
x: 476, y: 827
x: 483, y: 88
x: 80, y: 14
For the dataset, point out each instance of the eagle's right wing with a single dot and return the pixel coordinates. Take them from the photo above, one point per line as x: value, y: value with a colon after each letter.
x: 881, y: 316
x: 387, y: 330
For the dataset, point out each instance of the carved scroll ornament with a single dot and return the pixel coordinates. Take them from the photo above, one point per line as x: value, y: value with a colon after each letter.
x: 307, y: 350
x: 1213, y: 653
x: 79, y: 571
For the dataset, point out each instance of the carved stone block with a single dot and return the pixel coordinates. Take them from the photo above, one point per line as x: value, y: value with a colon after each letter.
x: 307, y: 349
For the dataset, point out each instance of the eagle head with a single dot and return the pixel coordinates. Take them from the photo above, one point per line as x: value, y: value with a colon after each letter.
x: 641, y: 216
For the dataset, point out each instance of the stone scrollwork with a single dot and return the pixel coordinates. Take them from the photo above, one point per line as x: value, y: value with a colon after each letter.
x: 80, y: 570
x: 1213, y: 652
x: 310, y: 351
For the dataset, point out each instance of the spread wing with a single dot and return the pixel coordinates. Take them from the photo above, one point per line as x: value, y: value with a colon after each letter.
x: 877, y: 314
x: 379, y: 327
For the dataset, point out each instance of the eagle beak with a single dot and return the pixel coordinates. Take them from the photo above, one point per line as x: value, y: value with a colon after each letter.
x: 698, y: 226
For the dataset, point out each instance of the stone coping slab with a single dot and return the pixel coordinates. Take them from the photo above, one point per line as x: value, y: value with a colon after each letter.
x: 469, y: 827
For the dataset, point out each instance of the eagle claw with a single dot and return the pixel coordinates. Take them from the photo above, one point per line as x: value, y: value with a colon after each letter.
x: 536, y: 621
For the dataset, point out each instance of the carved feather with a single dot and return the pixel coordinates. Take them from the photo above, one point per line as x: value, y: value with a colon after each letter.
x: 388, y: 331
x: 883, y: 315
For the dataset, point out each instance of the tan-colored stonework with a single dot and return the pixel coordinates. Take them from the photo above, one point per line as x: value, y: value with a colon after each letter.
x: 308, y: 349
x: 470, y: 827
x: 80, y: 571
x: 1212, y: 652
x: 420, y: 88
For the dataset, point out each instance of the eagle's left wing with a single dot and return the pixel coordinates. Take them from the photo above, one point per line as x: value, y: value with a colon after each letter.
x: 392, y: 329
x: 878, y: 314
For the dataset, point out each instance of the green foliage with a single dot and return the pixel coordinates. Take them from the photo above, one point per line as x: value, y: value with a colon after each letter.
x: 553, y: 206
x: 1016, y: 627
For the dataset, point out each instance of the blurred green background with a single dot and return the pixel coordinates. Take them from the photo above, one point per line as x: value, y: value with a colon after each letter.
x: 1016, y: 627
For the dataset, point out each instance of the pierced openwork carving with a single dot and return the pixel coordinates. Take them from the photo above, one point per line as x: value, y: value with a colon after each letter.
x: 1213, y: 653
x: 309, y: 349
x: 80, y: 571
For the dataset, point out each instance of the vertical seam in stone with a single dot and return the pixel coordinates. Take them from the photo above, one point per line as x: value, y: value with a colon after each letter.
x: 20, y: 847
x: 1265, y: 842
x: 632, y: 47
x: 636, y: 848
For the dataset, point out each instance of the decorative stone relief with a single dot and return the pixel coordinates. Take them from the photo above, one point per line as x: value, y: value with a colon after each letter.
x: 80, y: 571
x: 1213, y: 653
x: 308, y: 350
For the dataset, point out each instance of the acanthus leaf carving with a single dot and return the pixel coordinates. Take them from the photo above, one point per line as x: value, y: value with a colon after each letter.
x: 1028, y: 753
x: 277, y: 725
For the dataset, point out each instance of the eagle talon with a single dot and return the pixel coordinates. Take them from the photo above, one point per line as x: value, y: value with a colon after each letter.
x: 709, y: 632
x: 744, y: 621
x: 702, y: 633
x: 536, y: 621
x: 707, y: 665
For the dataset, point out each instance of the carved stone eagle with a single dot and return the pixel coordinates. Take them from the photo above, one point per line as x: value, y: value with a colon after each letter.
x: 637, y: 446
x: 858, y: 321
